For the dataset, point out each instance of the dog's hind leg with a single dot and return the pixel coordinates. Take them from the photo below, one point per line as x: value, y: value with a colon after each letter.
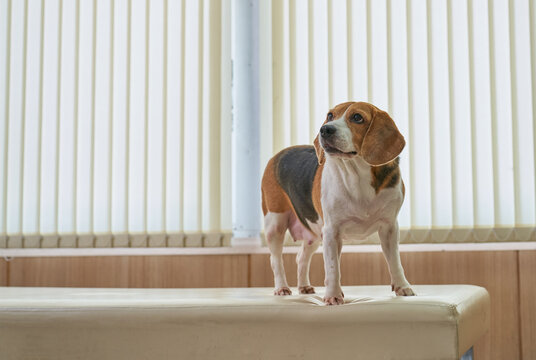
x: 311, y: 240
x: 275, y: 226
x: 303, y: 259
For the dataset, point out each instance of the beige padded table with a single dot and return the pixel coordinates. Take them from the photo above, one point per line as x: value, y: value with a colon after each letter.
x: 442, y: 322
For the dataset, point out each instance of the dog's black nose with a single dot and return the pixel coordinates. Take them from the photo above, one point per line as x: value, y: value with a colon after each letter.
x: 327, y: 130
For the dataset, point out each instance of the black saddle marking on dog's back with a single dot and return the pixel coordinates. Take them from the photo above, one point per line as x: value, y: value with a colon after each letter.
x: 295, y: 173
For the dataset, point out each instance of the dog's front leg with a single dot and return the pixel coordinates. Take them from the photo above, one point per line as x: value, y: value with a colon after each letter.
x: 332, y: 257
x: 389, y: 238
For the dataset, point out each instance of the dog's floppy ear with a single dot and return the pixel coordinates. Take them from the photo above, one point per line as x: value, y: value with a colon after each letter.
x: 319, y: 151
x: 383, y: 142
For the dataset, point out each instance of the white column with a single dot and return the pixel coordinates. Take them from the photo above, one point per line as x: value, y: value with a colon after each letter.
x: 246, y: 190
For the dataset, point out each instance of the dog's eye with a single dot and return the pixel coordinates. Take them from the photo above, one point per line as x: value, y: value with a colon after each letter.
x: 357, y: 118
x: 330, y: 116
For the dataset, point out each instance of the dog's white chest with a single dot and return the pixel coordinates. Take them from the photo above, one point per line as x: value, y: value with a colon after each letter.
x: 350, y: 202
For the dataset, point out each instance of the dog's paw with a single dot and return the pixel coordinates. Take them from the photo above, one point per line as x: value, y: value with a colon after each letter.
x: 334, y: 297
x: 282, y: 291
x: 306, y: 290
x: 403, y: 290
x: 333, y: 300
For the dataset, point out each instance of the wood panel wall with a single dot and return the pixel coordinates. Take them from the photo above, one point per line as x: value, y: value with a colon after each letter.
x: 527, y: 303
x: 509, y: 276
x: 131, y: 271
x: 3, y: 272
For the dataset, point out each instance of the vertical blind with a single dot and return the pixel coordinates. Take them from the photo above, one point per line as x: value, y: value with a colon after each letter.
x: 115, y: 116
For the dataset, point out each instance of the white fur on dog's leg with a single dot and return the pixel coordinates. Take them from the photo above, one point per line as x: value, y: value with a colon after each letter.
x: 280, y: 279
x: 332, y: 255
x: 303, y: 259
x: 275, y: 225
x: 389, y: 238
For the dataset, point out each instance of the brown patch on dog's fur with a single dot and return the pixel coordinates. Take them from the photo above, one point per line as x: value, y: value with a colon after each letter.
x: 385, y: 176
x: 278, y: 201
x: 382, y: 142
x: 320, y: 154
x: 359, y: 131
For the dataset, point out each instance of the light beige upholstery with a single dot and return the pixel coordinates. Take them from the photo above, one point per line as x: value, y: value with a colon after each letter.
x: 442, y: 322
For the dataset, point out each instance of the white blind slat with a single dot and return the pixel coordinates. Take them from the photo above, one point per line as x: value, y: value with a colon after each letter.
x: 192, y: 110
x: 207, y: 125
x: 378, y: 37
x: 210, y: 206
x: 440, y: 112
x: 175, y: 133
x: 461, y: 116
x: 84, y: 210
x: 299, y: 66
x: 155, y: 154
x: 137, y: 171
x: 502, y: 109
x: 120, y: 129
x: 30, y: 201
x: 102, y: 136
x: 265, y: 80
x: 225, y: 114
x: 358, y: 48
x: 337, y: 52
x: 281, y: 83
x: 419, y: 126
x: 481, y: 111
x: 320, y: 64
x: 5, y: 17
x: 15, y: 119
x: 50, y: 124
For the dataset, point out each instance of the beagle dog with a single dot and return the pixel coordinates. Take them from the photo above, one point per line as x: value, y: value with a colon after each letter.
x: 347, y: 186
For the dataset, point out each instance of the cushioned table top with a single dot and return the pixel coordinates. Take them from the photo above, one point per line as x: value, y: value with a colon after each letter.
x: 442, y: 322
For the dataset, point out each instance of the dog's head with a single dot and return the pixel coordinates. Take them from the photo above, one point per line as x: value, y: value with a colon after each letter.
x: 359, y: 129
